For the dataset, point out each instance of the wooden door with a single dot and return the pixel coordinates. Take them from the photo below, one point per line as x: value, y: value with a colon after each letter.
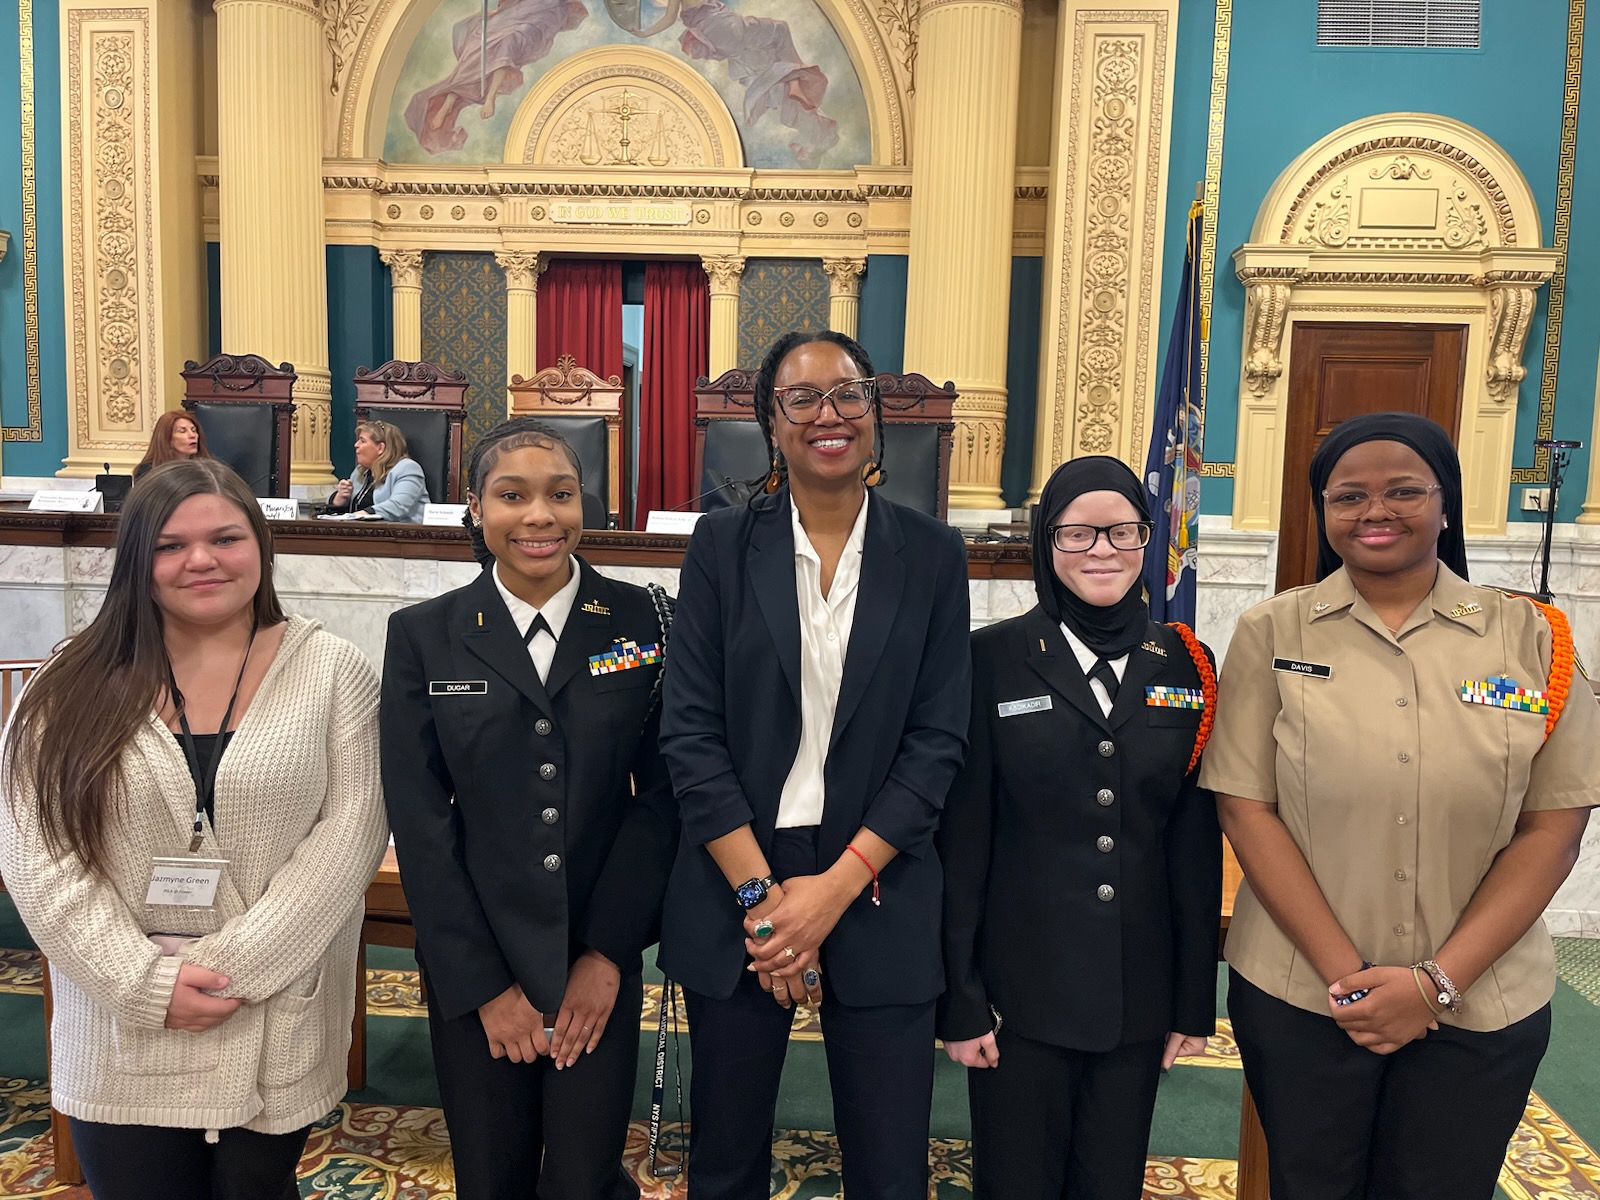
x: 1342, y: 370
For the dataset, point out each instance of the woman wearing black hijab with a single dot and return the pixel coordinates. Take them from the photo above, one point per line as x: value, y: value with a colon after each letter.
x: 1082, y: 860
x: 1405, y: 780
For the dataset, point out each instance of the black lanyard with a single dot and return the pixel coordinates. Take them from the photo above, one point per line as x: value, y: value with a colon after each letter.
x: 205, y: 785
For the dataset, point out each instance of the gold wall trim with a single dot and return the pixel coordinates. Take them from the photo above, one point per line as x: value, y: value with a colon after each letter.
x: 1540, y: 471
x: 1220, y: 40
x: 1216, y: 470
x: 33, y: 431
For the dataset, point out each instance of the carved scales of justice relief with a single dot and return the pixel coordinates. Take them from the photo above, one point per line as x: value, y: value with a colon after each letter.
x: 625, y: 113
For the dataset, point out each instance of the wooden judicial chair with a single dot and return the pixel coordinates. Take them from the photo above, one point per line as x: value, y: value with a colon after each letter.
x: 918, y: 431
x: 587, y: 411
x: 428, y: 404
x: 245, y: 406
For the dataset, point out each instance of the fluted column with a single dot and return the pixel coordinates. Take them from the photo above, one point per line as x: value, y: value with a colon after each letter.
x: 844, y: 293
x: 269, y: 161
x: 724, y: 271
x: 522, y: 270
x: 405, y: 286
x: 1591, y: 499
x: 963, y: 180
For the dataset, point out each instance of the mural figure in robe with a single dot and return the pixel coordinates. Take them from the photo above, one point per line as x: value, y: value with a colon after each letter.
x: 760, y: 55
x: 519, y: 33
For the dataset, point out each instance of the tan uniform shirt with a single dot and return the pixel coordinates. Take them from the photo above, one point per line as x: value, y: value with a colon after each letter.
x: 1397, y: 791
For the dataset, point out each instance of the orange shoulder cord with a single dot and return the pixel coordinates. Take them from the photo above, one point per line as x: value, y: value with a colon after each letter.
x: 1208, y: 688
x: 1561, y: 659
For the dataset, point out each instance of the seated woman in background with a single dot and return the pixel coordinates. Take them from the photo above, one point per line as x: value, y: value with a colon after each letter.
x: 175, y: 438
x: 385, y: 483
x: 192, y: 816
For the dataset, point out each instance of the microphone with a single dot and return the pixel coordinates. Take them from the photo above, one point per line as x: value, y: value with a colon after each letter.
x: 1559, y: 444
x: 740, y: 492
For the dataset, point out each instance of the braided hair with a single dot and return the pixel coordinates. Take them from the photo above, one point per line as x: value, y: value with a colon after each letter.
x: 765, y: 403
x: 518, y: 433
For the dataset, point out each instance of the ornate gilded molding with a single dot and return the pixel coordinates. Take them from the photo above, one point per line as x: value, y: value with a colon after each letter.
x: 1206, y: 266
x: 899, y: 19
x: 1216, y: 470
x: 405, y: 267
x: 724, y: 272
x: 1266, y: 310
x: 522, y: 268
x: 33, y: 431
x: 695, y: 123
x: 929, y: 6
x: 816, y: 195
x: 844, y: 275
x: 1032, y: 192
x: 1511, y: 308
x: 343, y: 21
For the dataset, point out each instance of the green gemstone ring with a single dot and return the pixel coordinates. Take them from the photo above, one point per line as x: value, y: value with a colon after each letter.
x: 763, y: 929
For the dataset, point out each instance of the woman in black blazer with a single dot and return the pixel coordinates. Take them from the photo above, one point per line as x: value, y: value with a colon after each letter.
x: 535, y: 825
x: 1083, y: 862
x: 812, y: 722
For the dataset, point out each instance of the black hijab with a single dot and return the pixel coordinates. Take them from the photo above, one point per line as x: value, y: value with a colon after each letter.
x: 1429, y: 440
x: 1115, y: 629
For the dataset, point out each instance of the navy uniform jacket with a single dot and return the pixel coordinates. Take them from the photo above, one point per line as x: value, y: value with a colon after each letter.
x: 1083, y: 861
x: 530, y: 820
x: 730, y: 729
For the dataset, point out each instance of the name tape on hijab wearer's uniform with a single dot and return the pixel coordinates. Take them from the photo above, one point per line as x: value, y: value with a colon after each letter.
x: 1016, y: 708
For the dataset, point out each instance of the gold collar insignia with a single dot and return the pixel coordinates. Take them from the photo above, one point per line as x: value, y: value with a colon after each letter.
x: 595, y: 607
x: 1466, y: 609
x: 1152, y: 648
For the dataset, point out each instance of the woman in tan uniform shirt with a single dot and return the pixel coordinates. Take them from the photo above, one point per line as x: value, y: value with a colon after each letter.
x: 1403, y: 807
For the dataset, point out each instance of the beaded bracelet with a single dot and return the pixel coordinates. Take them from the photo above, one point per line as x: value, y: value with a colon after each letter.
x: 1416, y: 974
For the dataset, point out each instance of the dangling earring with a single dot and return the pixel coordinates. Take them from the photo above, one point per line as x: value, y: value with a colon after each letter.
x: 1447, y: 522
x: 873, y: 475
x: 774, y: 479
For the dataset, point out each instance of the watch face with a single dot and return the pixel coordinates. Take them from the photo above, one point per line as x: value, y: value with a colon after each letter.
x: 751, y: 893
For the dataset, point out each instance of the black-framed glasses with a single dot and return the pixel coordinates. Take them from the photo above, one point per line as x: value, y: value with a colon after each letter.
x: 1079, y: 539
x: 802, y: 404
x: 1406, y: 500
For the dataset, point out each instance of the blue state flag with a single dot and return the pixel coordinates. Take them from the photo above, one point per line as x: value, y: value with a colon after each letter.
x: 1172, y: 468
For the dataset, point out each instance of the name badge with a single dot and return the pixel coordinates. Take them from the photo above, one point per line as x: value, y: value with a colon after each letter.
x: 458, y: 687
x: 1295, y: 667
x: 1016, y: 708
x: 184, y: 882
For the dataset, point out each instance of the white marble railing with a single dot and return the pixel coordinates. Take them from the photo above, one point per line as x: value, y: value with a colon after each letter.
x: 47, y: 592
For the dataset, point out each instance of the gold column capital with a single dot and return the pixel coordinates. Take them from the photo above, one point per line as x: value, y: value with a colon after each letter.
x: 931, y: 6
x: 844, y: 275
x: 724, y: 271
x: 522, y: 269
x: 405, y: 267
x: 307, y: 8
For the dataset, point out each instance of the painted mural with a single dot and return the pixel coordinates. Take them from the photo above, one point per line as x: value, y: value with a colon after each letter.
x: 786, y: 79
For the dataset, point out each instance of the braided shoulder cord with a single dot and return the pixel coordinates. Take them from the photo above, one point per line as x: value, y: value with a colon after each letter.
x: 1562, y: 655
x: 1208, y: 688
x: 663, y: 603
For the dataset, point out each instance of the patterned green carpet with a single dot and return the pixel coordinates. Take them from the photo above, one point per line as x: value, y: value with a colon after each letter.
x: 387, y: 1141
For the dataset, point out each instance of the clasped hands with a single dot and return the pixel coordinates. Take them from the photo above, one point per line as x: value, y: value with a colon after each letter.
x: 516, y: 1030
x: 802, y: 912
x: 1392, y: 1013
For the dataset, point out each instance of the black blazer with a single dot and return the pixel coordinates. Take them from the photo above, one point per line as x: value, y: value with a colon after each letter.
x: 1026, y: 929
x: 510, y: 874
x: 730, y: 729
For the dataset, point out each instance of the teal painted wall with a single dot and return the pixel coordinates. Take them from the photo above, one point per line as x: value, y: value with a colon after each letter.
x: 42, y: 457
x: 360, y: 334
x: 1284, y: 93
x: 1022, y: 379
x: 881, y: 324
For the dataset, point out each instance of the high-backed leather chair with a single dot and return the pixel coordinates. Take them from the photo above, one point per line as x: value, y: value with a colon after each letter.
x: 427, y: 403
x: 587, y: 411
x: 245, y: 405
x: 918, y: 432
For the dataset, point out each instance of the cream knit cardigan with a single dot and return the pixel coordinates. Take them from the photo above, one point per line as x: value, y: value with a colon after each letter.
x: 300, y: 818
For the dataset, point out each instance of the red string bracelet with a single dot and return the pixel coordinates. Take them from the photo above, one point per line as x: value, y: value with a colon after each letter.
x: 871, y: 868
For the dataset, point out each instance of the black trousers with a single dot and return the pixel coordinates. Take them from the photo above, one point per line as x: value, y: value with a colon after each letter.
x: 880, y: 1069
x: 520, y: 1131
x: 1428, y: 1122
x: 150, y: 1162
x: 1055, y: 1124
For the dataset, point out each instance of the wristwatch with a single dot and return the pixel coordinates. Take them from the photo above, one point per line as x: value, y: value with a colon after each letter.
x: 752, y: 892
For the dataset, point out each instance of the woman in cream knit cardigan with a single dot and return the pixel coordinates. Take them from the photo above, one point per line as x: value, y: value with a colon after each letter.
x: 195, y: 1045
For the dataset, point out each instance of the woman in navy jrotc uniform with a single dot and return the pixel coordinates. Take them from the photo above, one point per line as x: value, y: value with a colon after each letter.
x: 535, y: 826
x: 813, y: 720
x: 1083, y: 863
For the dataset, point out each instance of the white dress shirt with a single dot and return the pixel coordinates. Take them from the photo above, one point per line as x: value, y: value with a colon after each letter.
x: 1086, y: 660
x: 825, y: 624
x: 542, y: 649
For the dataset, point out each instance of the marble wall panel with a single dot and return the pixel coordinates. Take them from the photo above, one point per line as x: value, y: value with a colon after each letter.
x: 35, y: 620
x: 1575, y: 910
x: 32, y: 564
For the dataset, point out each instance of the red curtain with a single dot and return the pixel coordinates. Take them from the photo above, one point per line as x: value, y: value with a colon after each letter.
x: 580, y: 313
x: 676, y: 351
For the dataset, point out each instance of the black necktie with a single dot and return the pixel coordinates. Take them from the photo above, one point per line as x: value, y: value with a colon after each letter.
x: 538, y: 623
x: 1107, y: 677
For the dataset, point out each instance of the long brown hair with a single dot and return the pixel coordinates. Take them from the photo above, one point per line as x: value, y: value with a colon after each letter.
x: 78, y: 716
x: 393, y: 442
x: 161, y: 450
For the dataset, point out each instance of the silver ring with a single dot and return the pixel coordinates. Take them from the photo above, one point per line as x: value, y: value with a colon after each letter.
x: 812, y: 977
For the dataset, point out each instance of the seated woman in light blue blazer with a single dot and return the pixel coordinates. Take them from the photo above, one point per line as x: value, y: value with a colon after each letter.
x: 385, y: 483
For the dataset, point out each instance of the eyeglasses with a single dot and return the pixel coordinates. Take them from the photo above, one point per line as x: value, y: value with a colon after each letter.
x: 850, y: 399
x: 1407, y: 500
x: 1079, y: 539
